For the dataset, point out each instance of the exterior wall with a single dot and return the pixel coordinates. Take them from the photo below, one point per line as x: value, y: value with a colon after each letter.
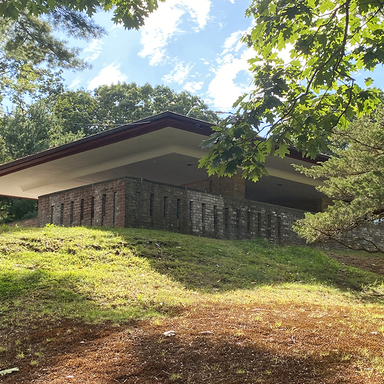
x: 101, y: 204
x: 32, y: 222
x: 229, y: 186
x: 139, y: 203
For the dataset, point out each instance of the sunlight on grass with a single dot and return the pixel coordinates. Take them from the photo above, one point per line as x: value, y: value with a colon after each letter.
x: 121, y: 275
x: 101, y: 274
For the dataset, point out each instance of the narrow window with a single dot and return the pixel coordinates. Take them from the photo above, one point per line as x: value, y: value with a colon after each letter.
x: 214, y: 216
x: 249, y: 218
x: 269, y: 223
x: 92, y: 209
x: 71, y: 214
x: 165, y: 206
x: 61, y: 214
x: 191, y: 210
x: 203, y: 208
x: 138, y: 204
x: 81, y: 211
x: 178, y: 209
x: 103, y: 207
x: 114, y: 209
x: 51, y: 219
x: 259, y: 224
x: 226, y: 218
x: 151, y: 201
x: 279, y: 229
x: 238, y: 213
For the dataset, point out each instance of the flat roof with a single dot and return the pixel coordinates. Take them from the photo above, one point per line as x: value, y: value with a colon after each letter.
x: 165, y: 148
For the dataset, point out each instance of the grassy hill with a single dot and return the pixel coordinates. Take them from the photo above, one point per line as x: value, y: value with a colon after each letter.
x: 112, y: 278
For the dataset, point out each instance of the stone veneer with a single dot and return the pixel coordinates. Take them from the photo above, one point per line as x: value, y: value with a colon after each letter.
x: 130, y: 202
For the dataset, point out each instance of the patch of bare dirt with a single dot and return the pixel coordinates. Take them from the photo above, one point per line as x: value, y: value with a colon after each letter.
x: 372, y: 263
x: 273, y: 344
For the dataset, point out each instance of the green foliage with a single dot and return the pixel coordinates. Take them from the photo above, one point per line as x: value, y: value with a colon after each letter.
x: 30, y: 54
x: 130, y: 13
x: 307, y: 54
x: 32, y: 130
x: 112, y: 105
x: 354, y: 179
x: 14, y: 209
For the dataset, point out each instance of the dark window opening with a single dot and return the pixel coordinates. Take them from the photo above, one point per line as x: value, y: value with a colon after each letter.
x: 165, y: 206
x: 190, y: 210
x: 92, y: 209
x: 81, y: 211
x: 151, y: 201
x: 51, y: 219
x: 279, y: 229
x: 71, y: 214
x: 114, y: 208
x: 269, y: 224
x: 249, y: 220
x: 103, y: 207
x: 177, y: 208
x: 203, y: 208
x: 61, y: 214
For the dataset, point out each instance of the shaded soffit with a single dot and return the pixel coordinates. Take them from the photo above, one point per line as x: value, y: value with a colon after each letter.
x: 164, y: 148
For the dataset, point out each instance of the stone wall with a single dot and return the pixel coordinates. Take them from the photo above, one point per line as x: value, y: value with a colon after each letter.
x: 140, y: 203
x: 229, y: 186
x: 101, y: 204
x: 32, y: 222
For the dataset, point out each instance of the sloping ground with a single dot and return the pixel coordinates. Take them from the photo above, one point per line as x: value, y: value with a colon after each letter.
x: 227, y: 326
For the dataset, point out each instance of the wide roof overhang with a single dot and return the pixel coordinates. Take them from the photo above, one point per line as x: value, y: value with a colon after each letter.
x: 163, y: 148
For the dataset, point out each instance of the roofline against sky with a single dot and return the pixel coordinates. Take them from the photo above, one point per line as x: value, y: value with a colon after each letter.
x: 124, y: 132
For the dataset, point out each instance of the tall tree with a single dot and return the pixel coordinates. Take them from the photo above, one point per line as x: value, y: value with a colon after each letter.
x: 32, y: 130
x: 28, y: 50
x: 113, y: 105
x: 130, y: 13
x: 30, y: 55
x: 354, y: 179
x: 307, y: 55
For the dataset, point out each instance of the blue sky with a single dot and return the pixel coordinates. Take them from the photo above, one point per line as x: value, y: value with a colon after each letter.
x: 190, y: 45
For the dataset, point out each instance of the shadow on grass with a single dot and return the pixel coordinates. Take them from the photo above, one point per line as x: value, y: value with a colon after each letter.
x: 227, y: 359
x: 96, y: 353
x: 209, y: 264
x: 42, y: 293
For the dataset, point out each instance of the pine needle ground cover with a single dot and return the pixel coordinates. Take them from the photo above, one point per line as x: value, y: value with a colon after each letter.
x: 84, y: 305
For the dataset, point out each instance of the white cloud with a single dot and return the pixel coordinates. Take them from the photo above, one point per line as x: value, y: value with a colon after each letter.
x: 199, y: 10
x: 193, y: 86
x: 107, y: 76
x: 93, y: 50
x: 233, y: 42
x: 178, y: 74
x: 74, y: 83
x: 223, y: 89
x: 163, y: 24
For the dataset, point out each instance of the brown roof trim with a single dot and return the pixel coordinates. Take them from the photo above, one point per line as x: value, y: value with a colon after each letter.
x: 124, y: 132
x: 128, y: 131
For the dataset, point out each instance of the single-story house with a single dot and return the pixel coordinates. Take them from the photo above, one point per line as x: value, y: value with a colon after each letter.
x: 146, y: 174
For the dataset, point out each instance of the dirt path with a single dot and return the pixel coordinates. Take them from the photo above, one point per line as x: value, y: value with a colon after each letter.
x: 226, y: 344
x: 372, y: 263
